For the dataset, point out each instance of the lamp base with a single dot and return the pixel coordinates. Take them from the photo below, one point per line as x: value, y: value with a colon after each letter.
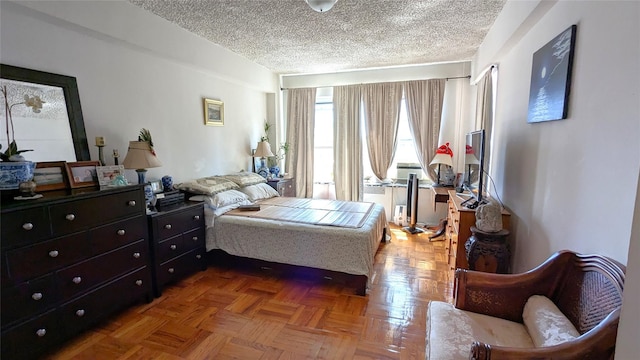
x: 141, y: 175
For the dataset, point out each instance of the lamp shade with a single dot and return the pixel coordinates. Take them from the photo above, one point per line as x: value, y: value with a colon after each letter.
x: 140, y: 156
x: 443, y: 156
x: 470, y: 157
x: 263, y: 150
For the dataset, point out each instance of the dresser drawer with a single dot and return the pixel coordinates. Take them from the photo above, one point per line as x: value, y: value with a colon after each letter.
x: 177, y: 222
x: 85, y: 275
x: 194, y: 238
x: 114, y: 235
x: 29, y: 225
x: 80, y: 214
x: 179, y: 267
x: 31, y: 297
x: 31, y: 261
x: 85, y: 311
x: 32, y: 337
x: 170, y: 248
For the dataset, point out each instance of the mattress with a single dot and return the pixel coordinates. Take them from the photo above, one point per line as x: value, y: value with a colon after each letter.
x: 349, y: 249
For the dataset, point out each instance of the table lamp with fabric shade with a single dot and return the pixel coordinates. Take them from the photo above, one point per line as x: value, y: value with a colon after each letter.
x: 263, y: 151
x: 443, y: 157
x: 140, y: 156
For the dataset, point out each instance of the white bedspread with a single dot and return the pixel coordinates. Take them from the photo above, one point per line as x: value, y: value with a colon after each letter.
x: 345, y: 249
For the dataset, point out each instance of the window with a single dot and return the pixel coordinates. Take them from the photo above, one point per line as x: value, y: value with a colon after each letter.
x: 405, y: 149
x: 323, y: 143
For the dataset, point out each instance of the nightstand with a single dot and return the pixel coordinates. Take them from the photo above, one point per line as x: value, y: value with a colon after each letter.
x: 177, y: 242
x: 285, y: 187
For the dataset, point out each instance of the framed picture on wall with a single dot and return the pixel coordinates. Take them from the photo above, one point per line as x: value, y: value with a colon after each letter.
x: 213, y: 112
x: 551, y: 78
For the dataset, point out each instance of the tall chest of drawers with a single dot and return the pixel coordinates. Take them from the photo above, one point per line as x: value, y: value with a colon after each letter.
x: 69, y: 261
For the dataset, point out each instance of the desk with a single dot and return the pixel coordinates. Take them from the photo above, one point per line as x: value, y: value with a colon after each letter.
x: 441, y: 195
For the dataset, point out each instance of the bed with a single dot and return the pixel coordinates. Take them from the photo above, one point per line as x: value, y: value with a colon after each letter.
x: 336, y: 239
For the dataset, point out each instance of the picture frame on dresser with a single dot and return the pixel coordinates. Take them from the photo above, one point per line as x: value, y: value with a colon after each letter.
x: 106, y: 174
x: 50, y: 175
x: 82, y: 173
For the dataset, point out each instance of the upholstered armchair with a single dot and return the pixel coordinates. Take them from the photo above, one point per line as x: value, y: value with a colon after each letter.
x: 566, y: 308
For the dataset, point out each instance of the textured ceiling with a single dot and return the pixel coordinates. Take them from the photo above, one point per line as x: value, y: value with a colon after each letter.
x: 288, y: 37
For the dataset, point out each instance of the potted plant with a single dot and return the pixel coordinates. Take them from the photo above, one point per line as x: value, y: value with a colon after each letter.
x: 274, y: 161
x: 14, y: 169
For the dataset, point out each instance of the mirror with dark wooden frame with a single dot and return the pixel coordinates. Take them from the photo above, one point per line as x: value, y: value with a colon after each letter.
x: 44, y: 137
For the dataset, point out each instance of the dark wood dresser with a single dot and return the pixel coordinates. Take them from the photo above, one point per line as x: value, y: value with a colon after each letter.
x: 69, y: 260
x: 178, y: 241
x: 285, y: 187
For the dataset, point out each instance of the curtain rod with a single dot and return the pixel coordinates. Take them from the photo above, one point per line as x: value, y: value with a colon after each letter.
x: 448, y: 78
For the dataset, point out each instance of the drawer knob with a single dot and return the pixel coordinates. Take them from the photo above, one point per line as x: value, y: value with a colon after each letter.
x: 27, y: 226
x: 168, y: 226
x: 54, y: 253
x: 41, y: 332
x: 173, y: 247
x: 36, y: 296
x: 171, y: 270
x: 139, y: 282
x: 120, y: 232
x: 136, y: 255
x: 198, y: 256
x: 195, y: 238
x: 197, y: 217
x: 70, y: 217
x: 80, y: 313
x: 77, y: 280
x: 131, y: 203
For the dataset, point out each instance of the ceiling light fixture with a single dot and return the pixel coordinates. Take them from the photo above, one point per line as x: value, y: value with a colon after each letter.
x: 321, y: 5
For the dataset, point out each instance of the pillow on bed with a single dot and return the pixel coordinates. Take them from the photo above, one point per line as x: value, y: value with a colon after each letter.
x: 227, y: 198
x: 245, y: 178
x: 259, y: 191
x: 208, y: 185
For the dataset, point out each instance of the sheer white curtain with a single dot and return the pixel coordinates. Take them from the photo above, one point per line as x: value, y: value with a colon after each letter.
x: 301, y: 109
x: 484, y: 111
x: 347, y: 143
x: 381, y: 114
x: 424, y: 100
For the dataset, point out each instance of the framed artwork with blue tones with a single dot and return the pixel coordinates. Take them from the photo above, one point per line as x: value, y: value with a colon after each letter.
x: 551, y: 78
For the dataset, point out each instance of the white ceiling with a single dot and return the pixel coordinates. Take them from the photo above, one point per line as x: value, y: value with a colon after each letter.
x: 288, y: 37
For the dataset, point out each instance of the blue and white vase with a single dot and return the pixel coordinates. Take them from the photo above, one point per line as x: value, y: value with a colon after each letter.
x: 275, y: 171
x: 12, y: 173
x: 167, y: 183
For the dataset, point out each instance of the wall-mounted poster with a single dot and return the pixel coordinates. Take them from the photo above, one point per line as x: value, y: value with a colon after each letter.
x: 551, y: 78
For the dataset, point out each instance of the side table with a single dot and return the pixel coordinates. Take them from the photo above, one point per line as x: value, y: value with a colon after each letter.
x: 488, y: 252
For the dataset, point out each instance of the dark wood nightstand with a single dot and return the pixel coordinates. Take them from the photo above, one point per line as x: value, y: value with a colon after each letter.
x: 177, y: 242
x: 285, y: 187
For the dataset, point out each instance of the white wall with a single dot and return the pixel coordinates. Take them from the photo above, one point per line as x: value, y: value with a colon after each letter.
x: 136, y: 70
x: 570, y: 184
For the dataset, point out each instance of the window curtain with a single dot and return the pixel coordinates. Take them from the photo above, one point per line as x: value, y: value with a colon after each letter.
x: 347, y: 143
x: 484, y: 112
x: 424, y: 100
x: 301, y: 111
x: 382, y: 114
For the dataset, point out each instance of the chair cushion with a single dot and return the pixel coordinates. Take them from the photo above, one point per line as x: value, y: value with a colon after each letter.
x: 545, y: 323
x: 451, y: 331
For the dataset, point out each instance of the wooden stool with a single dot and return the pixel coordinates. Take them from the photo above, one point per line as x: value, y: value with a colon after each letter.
x: 488, y: 252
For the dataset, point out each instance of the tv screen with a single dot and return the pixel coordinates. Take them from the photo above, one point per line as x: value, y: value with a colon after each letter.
x: 474, y: 163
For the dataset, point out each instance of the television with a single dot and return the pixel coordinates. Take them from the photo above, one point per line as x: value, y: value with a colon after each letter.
x: 474, y: 164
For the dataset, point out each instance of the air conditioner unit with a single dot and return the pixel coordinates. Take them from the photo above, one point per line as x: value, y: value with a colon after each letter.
x: 404, y: 169
x: 400, y: 215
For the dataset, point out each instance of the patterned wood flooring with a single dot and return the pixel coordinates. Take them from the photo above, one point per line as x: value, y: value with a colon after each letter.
x: 234, y: 314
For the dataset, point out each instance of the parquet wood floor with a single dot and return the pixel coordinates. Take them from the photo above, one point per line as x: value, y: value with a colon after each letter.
x: 235, y: 314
